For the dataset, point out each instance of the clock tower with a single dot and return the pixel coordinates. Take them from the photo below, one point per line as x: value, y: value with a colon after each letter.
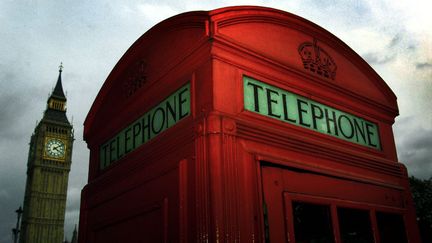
x: 48, y: 166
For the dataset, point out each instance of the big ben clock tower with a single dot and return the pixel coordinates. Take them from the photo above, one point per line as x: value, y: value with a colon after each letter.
x: 49, y: 163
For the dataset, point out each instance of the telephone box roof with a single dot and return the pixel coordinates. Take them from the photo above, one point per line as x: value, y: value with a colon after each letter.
x: 242, y: 26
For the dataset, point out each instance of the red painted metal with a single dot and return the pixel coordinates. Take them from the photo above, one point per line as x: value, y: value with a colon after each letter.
x: 207, y: 178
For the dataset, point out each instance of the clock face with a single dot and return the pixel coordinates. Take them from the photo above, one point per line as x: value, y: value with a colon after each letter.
x: 55, y: 148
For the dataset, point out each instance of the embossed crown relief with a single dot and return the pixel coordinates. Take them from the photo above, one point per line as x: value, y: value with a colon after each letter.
x: 316, y: 60
x: 136, y: 78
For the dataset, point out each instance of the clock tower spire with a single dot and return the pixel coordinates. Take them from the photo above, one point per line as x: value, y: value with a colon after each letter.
x: 57, y: 99
x: 48, y: 166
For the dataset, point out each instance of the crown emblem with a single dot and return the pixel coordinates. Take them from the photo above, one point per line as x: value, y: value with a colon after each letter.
x: 316, y: 60
x: 137, y: 77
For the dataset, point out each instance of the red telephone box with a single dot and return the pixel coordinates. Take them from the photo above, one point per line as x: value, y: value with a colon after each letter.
x: 244, y: 124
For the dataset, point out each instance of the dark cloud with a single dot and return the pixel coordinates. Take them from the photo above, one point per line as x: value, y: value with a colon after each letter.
x: 17, y: 102
x: 11, y: 194
x: 424, y: 65
x: 17, y: 105
x: 10, y: 106
x: 414, y: 147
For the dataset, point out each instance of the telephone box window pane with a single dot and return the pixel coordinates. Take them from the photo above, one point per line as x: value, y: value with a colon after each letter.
x: 391, y: 228
x: 355, y: 226
x: 312, y: 223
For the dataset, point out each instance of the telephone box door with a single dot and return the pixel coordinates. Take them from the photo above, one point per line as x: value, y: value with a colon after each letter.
x: 304, y: 206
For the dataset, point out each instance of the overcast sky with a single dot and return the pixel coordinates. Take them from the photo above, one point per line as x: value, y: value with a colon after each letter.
x: 89, y: 37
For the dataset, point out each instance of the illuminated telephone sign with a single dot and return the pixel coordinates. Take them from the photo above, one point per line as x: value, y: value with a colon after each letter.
x: 286, y: 106
x: 161, y: 117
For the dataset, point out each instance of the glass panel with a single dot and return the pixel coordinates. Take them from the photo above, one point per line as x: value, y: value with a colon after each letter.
x: 391, y: 228
x: 355, y: 226
x: 312, y: 223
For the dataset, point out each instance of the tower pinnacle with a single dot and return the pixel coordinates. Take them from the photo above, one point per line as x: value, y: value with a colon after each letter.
x: 58, y: 90
x: 56, y: 103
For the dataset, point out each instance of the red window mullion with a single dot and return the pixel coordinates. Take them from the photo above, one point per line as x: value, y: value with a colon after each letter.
x: 335, y: 222
x: 374, y: 225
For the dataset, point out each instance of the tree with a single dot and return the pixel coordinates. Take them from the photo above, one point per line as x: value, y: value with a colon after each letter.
x: 422, y: 195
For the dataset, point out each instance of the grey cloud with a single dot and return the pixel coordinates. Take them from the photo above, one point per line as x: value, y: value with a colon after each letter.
x: 9, y: 102
x: 422, y: 141
x: 377, y: 58
x: 4, y: 194
x: 384, y: 56
x: 10, y: 199
x: 396, y: 40
x: 74, y: 198
x: 414, y: 151
x: 359, y: 12
x: 17, y: 102
x: 10, y: 106
x: 335, y: 16
x: 412, y: 47
x: 71, y: 219
x: 424, y: 65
